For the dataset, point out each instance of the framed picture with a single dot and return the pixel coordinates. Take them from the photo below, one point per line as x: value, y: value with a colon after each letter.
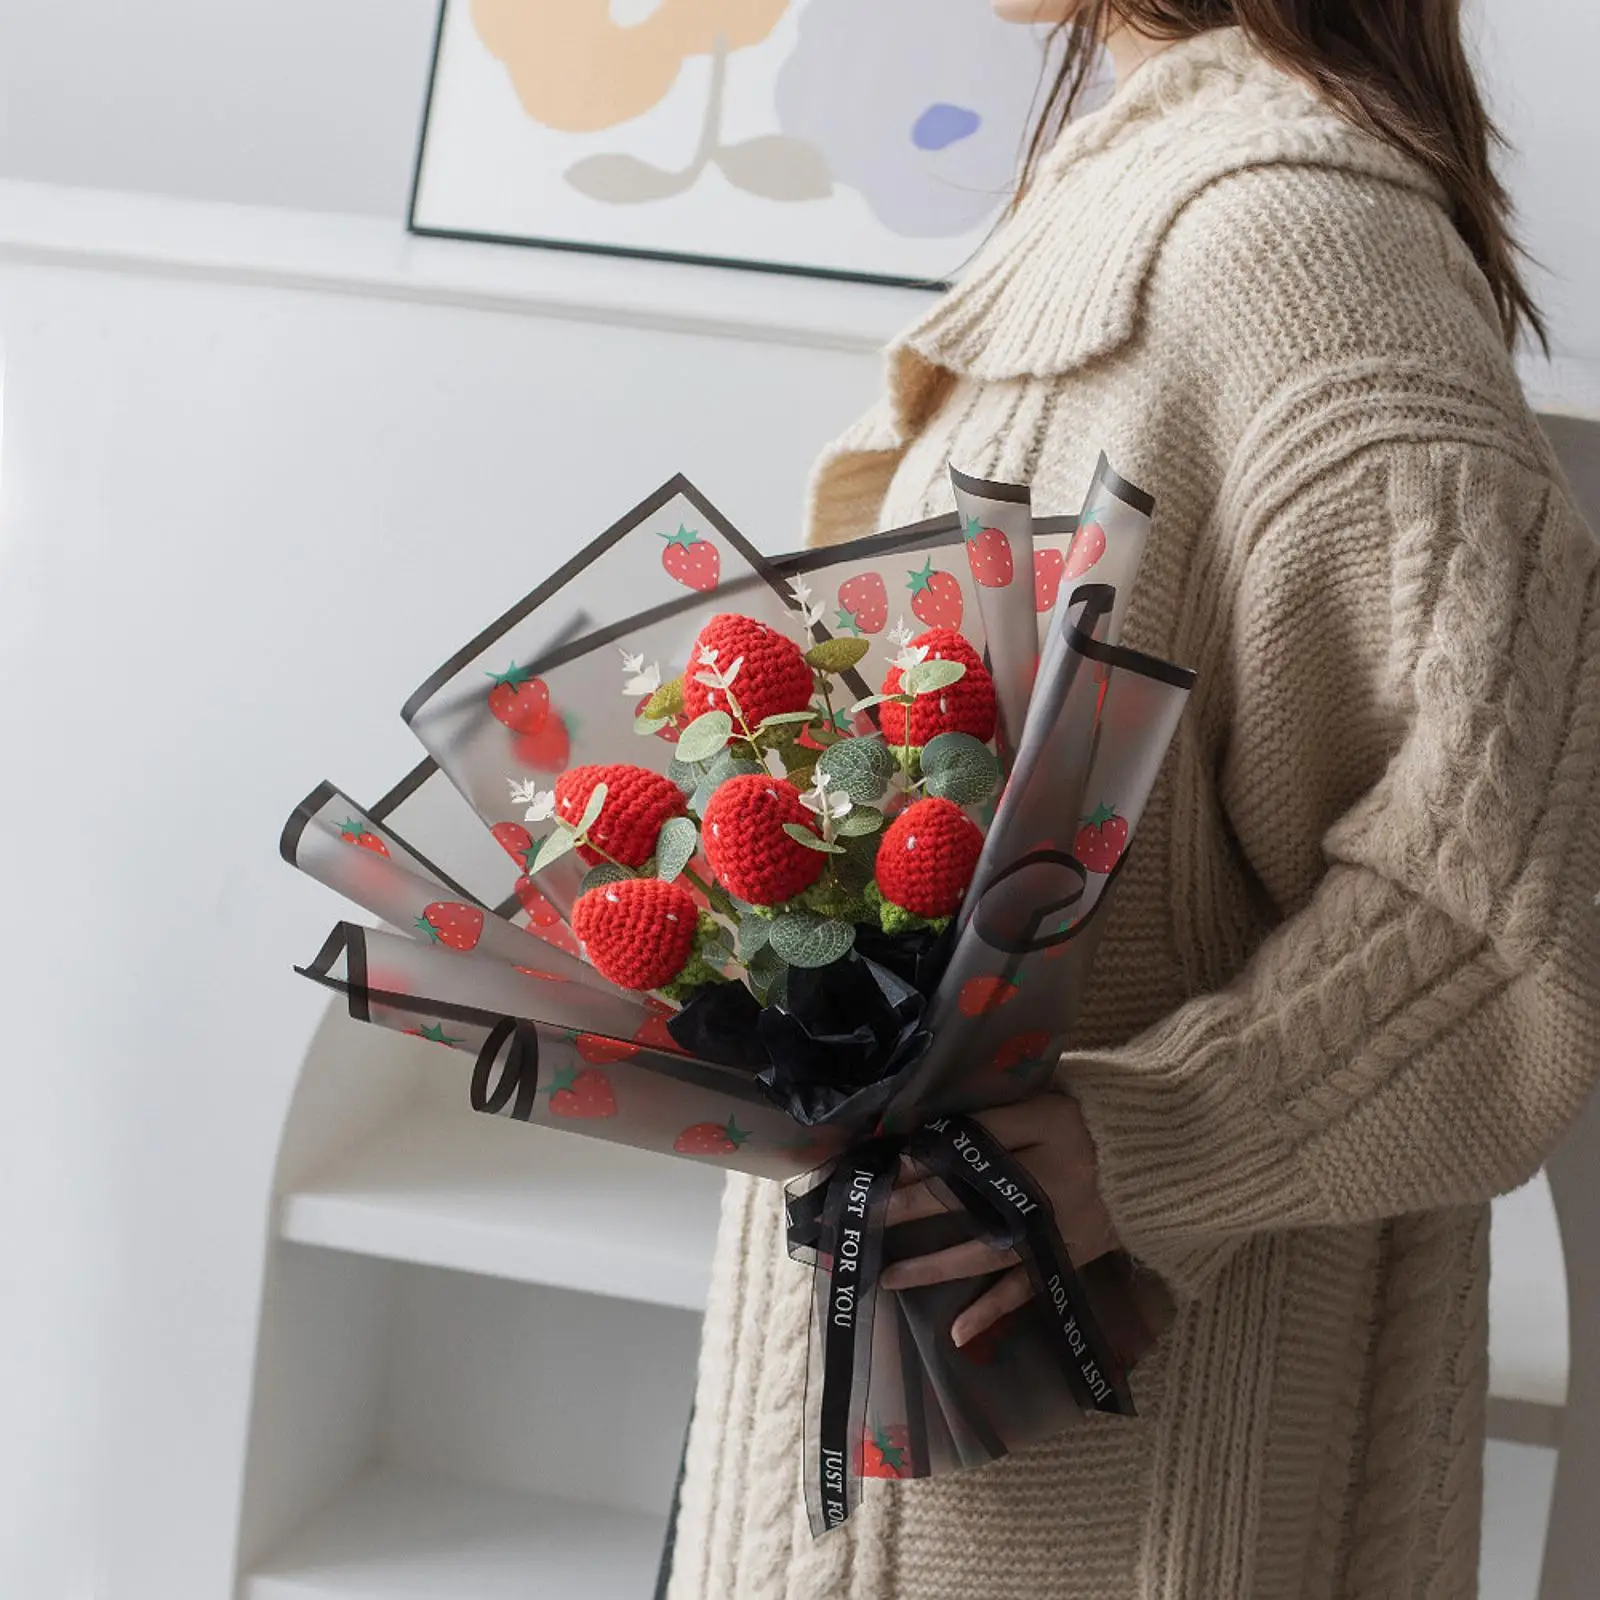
x: 826, y: 137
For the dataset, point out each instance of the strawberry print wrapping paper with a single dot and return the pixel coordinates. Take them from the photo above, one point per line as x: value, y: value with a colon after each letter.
x: 790, y: 865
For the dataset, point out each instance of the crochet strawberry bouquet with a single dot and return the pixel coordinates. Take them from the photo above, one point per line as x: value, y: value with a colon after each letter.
x: 707, y: 856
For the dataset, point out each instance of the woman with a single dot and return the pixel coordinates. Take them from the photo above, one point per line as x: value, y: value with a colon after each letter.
x: 1350, y: 988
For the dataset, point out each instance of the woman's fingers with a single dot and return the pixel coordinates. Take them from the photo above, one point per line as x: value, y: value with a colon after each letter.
x: 1012, y: 1291
x: 969, y: 1260
x: 910, y: 1204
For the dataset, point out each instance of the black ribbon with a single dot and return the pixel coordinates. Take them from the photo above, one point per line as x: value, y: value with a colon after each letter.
x: 505, y: 1077
x: 838, y: 1224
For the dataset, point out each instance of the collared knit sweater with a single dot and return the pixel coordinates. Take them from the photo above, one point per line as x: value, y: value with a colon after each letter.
x: 1350, y: 986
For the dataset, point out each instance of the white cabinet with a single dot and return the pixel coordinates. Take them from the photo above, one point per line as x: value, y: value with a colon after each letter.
x: 477, y: 1345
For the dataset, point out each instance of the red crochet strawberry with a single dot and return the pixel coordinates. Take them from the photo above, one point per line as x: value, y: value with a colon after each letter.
x: 449, y: 922
x: 927, y: 856
x: 638, y: 802
x: 654, y: 1031
x: 989, y: 555
x: 546, y: 748
x: 935, y: 598
x: 863, y: 604
x: 749, y: 853
x: 691, y: 560
x: 638, y: 932
x: 1102, y: 839
x: 354, y: 832
x: 1088, y: 545
x: 710, y: 1139
x: 1020, y: 1050
x: 887, y: 1454
x: 1049, y: 566
x: 519, y: 699
x: 773, y: 676
x: 966, y: 706
x: 516, y: 841
x: 583, y: 1095
x: 981, y: 995
x: 598, y: 1049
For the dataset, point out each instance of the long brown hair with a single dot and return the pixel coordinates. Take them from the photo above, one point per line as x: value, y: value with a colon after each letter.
x: 1397, y: 68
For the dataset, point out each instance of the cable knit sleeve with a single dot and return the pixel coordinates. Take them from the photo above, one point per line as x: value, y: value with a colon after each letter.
x: 1424, y: 1022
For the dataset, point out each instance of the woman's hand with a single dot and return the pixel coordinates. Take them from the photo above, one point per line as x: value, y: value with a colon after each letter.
x: 1048, y: 1136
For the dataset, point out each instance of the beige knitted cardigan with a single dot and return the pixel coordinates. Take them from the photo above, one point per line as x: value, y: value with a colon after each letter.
x: 1350, y: 987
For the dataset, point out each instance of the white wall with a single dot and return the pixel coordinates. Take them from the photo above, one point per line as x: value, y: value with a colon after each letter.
x: 237, y: 525
x: 314, y: 105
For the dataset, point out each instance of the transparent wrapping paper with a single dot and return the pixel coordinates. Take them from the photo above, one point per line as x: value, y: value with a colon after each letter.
x: 482, y: 959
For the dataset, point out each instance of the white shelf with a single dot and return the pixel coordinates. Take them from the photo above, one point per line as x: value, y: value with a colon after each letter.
x: 376, y: 258
x: 1528, y: 1354
x: 400, y: 1535
x: 485, y: 1195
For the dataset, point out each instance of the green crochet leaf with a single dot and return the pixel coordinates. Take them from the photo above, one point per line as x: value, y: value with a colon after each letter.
x: 705, y: 736
x: 928, y: 677
x: 860, y: 767
x: 837, y: 655
x: 957, y: 767
x: 805, y: 940
x: 675, y: 847
x: 666, y: 702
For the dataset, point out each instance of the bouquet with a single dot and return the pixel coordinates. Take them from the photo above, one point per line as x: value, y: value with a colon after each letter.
x: 757, y: 869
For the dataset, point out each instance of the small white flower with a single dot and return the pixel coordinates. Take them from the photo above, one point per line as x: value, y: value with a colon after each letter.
x: 522, y: 794
x: 542, y: 808
x: 801, y: 590
x: 900, y: 634
x: 733, y: 671
x: 708, y: 656
x: 911, y: 655
x: 637, y: 677
x: 823, y: 804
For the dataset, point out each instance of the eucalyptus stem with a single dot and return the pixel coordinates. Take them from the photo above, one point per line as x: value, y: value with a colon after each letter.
x: 715, y: 893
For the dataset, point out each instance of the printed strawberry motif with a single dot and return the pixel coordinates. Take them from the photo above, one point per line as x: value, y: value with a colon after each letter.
x: 546, y: 748
x: 1102, y: 839
x: 842, y: 729
x: 654, y: 1032
x: 711, y: 1139
x: 638, y: 932
x: 638, y: 802
x: 434, y: 1033
x: 935, y: 598
x: 583, y: 1095
x: 1088, y: 545
x: 981, y: 995
x: 863, y: 604
x: 540, y: 912
x: 535, y: 972
x: 517, y: 843
x: 519, y: 700
x: 354, y: 832
x: 989, y: 555
x: 887, y: 1454
x: 772, y: 675
x: 597, y: 1048
x: 691, y: 560
x: 1049, y: 566
x: 449, y: 922
x: 1019, y: 1051
x: 559, y: 935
